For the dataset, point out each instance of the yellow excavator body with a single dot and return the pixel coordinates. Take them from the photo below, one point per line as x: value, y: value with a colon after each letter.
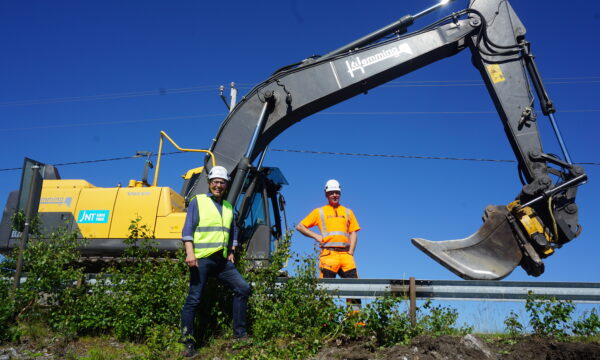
x: 106, y: 213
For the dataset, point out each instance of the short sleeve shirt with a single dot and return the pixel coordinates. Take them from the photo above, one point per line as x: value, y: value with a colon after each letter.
x: 314, y: 218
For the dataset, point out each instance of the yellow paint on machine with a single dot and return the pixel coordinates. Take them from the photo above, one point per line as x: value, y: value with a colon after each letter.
x: 107, y: 212
x: 495, y: 73
x: 531, y: 222
x: 94, y: 200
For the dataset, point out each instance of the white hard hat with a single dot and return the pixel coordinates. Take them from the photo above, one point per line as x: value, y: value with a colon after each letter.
x: 218, y: 172
x: 332, y: 185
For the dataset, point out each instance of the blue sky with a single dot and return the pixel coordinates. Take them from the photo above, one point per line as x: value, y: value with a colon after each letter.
x: 100, y: 79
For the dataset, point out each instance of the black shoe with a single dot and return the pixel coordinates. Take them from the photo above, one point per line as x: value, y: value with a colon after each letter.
x: 189, y: 351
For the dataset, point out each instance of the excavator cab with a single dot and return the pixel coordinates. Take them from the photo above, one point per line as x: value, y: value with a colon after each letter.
x: 259, y: 213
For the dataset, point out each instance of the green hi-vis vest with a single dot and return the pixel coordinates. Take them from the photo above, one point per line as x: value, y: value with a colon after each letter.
x: 212, y: 232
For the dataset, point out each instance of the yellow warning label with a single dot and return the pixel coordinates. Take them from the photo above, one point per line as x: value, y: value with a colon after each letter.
x: 495, y: 73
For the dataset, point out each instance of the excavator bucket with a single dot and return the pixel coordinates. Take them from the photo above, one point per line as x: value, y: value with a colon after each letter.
x: 489, y: 254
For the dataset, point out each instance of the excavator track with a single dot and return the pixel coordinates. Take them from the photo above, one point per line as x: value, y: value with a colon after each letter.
x: 97, y: 264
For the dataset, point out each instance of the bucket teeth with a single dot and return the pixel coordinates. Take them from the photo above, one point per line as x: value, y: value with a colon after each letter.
x: 491, y: 253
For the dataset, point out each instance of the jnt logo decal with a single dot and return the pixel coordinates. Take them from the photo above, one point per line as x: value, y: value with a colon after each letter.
x: 360, y: 64
x: 93, y: 216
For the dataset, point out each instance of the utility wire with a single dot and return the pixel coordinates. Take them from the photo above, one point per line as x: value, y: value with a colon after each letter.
x: 101, y: 160
x: 111, y: 96
x: 407, y: 156
x: 395, y: 85
x: 313, y: 152
x: 113, y: 159
x: 205, y: 88
x: 389, y: 155
x: 185, y: 117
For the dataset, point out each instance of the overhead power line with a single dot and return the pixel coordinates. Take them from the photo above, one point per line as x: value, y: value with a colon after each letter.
x: 390, y: 155
x: 345, y: 113
x: 112, y: 96
x: 312, y: 152
x: 98, y: 160
x: 408, y: 156
x: 205, y: 88
x: 169, y: 118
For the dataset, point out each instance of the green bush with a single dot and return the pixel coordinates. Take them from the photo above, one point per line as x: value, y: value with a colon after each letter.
x: 140, y: 299
x: 162, y: 341
x: 7, y: 311
x: 89, y: 309
x: 146, y: 287
x: 512, y: 325
x: 131, y: 298
x: 147, y: 298
x: 18, y: 223
x: 549, y: 317
x: 386, y: 319
x: 298, y: 314
x: 588, y: 324
x: 441, y: 320
x: 49, y: 265
x: 294, y: 320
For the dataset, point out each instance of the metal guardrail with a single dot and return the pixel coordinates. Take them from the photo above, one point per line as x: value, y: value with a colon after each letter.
x: 479, y: 290
x: 577, y: 292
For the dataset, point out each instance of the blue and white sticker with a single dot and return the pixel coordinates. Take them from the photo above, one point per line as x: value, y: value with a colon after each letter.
x: 93, y: 216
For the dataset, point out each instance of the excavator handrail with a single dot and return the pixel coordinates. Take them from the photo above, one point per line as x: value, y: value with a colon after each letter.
x: 160, y: 144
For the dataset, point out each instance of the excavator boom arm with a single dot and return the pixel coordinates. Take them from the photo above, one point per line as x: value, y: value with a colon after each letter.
x: 292, y: 95
x: 496, y: 38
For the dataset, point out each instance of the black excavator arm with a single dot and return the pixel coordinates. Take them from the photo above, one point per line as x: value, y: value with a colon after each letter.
x: 543, y: 216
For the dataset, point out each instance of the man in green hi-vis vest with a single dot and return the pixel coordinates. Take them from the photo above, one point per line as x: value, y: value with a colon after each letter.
x: 210, y: 238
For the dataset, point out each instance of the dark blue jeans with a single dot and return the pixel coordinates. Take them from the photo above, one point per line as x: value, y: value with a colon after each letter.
x: 215, y: 265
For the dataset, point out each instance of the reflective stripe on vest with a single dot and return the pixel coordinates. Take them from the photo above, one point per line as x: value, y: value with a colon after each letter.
x: 329, y: 235
x: 336, y: 244
x: 211, y: 228
x: 212, y: 232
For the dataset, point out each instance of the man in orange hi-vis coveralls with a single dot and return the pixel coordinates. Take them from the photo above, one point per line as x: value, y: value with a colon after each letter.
x: 338, y: 236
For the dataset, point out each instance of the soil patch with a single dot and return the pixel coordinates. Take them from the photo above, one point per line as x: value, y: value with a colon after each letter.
x: 544, y: 349
x: 468, y: 347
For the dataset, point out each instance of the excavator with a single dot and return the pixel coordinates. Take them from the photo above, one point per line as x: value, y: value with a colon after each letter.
x: 542, y: 218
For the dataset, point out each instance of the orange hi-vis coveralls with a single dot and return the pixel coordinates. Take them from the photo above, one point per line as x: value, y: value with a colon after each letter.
x: 335, y: 224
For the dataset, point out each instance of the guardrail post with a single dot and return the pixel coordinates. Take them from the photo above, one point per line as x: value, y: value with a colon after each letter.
x: 30, y: 211
x: 412, y: 294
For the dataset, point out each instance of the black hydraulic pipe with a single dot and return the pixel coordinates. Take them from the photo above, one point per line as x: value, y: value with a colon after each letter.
x: 244, y: 165
x: 262, y: 158
x: 546, y: 104
x: 259, y: 124
x: 245, y: 201
x: 567, y: 184
x: 238, y: 180
x: 398, y: 27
